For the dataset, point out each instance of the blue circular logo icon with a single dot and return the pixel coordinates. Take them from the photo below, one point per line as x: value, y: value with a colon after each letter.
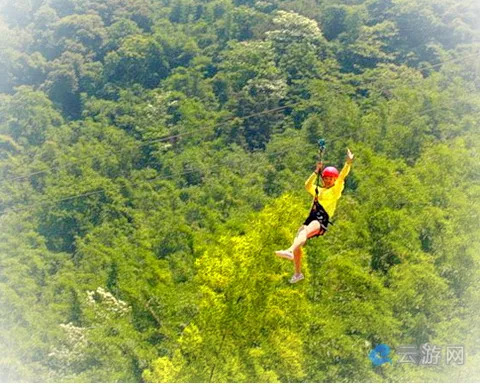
x: 379, y: 355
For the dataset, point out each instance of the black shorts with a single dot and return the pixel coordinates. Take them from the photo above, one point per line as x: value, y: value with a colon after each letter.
x: 318, y: 213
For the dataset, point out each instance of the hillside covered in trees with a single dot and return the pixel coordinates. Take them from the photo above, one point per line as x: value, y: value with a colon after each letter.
x: 153, y: 155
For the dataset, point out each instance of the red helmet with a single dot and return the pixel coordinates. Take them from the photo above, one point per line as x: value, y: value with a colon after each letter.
x: 330, y: 172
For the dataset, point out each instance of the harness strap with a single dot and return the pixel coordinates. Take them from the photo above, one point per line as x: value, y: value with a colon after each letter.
x: 322, y: 145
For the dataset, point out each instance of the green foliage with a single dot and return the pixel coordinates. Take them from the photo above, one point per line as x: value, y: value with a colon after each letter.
x: 138, y: 60
x: 118, y: 31
x: 242, y: 314
x: 152, y: 159
x: 27, y: 116
x: 249, y: 79
x: 85, y: 30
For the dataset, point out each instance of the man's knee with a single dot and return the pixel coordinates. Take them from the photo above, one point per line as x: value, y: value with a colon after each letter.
x: 313, y: 228
x: 302, y: 228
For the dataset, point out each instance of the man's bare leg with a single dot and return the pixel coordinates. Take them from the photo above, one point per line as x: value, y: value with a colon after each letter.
x: 297, y: 259
x: 295, y: 251
x: 305, y: 232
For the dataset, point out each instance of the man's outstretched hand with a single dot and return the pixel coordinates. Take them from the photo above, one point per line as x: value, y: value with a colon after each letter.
x: 350, y: 156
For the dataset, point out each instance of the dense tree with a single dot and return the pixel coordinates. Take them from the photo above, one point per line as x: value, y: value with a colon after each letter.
x: 84, y: 32
x: 138, y: 60
x: 152, y: 158
x: 28, y: 115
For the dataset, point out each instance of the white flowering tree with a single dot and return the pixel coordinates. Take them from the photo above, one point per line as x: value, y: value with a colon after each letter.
x: 102, y: 347
x: 105, y: 306
x: 292, y: 27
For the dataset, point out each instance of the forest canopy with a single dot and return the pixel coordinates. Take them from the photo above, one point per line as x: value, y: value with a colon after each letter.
x: 153, y: 156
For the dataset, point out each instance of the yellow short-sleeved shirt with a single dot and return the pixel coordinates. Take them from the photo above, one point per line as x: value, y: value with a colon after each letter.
x: 328, y: 197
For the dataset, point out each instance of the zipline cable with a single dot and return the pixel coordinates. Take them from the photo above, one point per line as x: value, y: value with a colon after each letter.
x: 162, y: 139
x: 186, y: 172
x: 98, y: 191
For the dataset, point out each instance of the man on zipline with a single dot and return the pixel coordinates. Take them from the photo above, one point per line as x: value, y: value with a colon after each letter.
x: 324, y: 204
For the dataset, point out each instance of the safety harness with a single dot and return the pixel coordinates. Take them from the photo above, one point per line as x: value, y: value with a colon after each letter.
x: 317, y: 210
